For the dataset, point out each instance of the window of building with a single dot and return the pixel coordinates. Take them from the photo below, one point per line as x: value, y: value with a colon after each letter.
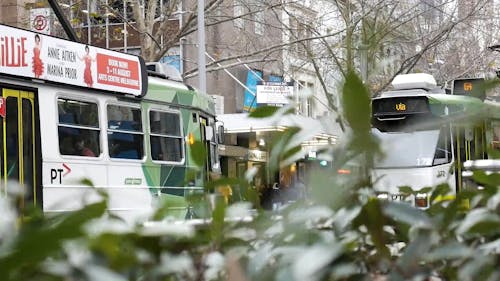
x: 125, y: 134
x: 259, y: 23
x: 167, y: 142
x: 78, y: 128
x: 306, y: 96
x: 309, y: 100
x: 239, y: 10
x: 123, y: 10
x: 299, y: 30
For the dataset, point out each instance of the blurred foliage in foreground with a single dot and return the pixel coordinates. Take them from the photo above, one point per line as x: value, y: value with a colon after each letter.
x: 341, y: 232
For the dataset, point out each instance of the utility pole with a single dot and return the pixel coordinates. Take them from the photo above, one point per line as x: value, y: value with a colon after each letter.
x: 201, y: 47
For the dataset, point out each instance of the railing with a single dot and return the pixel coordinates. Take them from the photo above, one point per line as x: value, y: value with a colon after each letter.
x: 488, y: 166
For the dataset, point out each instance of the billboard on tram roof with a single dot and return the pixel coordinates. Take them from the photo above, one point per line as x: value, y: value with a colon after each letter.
x: 38, y: 56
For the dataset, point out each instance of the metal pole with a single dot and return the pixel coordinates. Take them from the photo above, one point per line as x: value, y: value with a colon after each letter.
x: 88, y: 23
x: 107, y: 25
x: 231, y: 75
x: 125, y: 34
x: 251, y: 70
x: 66, y: 25
x: 201, y: 47
x: 181, y: 51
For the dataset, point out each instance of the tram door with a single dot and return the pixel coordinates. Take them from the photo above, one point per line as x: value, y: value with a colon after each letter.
x: 469, y: 145
x: 18, y: 145
x: 206, y: 142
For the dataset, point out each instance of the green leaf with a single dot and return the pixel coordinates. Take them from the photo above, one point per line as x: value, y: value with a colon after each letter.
x: 324, y: 190
x: 87, y: 182
x: 406, y: 190
x: 480, y: 221
x: 374, y: 219
x: 440, y: 190
x: 492, y: 180
x: 425, y: 190
x: 493, y: 153
x: 221, y: 182
x: 43, y: 241
x: 416, y: 250
x: 199, y: 153
x: 118, y: 249
x: 279, y: 146
x: 356, y: 104
x: 406, y: 213
x: 291, y: 152
x: 264, y: 111
x: 475, y: 267
x: 217, y: 225
x: 449, y: 251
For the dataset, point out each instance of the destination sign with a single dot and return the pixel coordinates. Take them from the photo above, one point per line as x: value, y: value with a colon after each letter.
x: 407, y: 105
x: 469, y: 87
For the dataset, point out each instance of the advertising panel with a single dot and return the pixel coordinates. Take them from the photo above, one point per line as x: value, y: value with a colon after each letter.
x: 253, y: 76
x: 274, y: 93
x: 34, y: 55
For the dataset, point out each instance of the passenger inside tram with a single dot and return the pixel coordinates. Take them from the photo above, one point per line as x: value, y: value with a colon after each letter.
x: 82, y: 149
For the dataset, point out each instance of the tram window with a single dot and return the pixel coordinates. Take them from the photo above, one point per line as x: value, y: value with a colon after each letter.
x: 125, y: 134
x: 166, y: 136
x: 443, y: 148
x: 78, y: 128
x: 495, y: 141
x: 214, y: 155
x: 72, y: 112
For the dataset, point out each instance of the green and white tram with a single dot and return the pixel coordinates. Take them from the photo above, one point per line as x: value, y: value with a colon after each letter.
x: 426, y: 135
x: 71, y: 112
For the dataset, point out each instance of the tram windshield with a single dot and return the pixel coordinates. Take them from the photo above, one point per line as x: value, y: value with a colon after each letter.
x: 413, y: 149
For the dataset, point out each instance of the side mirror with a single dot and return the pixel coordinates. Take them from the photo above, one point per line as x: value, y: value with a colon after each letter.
x: 220, y: 134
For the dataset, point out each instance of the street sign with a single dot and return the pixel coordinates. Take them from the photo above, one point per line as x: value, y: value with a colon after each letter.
x: 274, y: 92
x: 40, y: 20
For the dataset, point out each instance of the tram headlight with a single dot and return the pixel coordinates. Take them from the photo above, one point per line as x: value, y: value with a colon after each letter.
x: 421, y: 200
x: 190, y: 138
x: 383, y: 196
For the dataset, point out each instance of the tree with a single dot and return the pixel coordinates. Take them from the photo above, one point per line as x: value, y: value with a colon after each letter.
x: 384, y: 38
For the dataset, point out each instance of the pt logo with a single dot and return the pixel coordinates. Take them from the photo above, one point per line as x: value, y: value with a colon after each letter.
x: 57, y: 174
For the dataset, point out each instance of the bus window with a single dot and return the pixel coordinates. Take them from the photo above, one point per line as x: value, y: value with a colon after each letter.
x: 78, y: 128
x: 125, y: 134
x: 166, y: 136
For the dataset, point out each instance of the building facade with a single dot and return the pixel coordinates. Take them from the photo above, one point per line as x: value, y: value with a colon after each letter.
x: 14, y: 12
